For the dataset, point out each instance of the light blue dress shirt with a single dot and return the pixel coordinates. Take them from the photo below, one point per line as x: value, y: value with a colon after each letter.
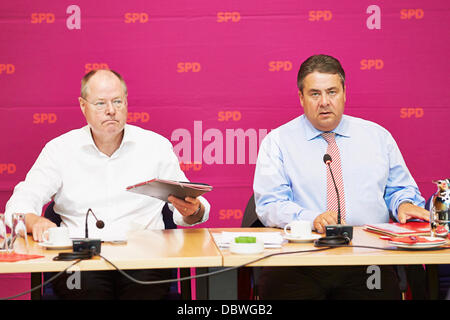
x: 290, y: 178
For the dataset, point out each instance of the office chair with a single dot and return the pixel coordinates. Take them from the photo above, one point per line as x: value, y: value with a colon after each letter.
x: 47, y: 291
x: 247, y: 276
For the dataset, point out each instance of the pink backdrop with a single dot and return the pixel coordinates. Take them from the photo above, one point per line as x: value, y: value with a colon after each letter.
x: 202, y: 73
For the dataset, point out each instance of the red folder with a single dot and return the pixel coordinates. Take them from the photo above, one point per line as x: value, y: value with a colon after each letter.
x: 400, y: 229
x: 161, y: 189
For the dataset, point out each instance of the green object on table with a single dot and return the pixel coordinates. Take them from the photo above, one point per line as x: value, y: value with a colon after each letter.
x: 245, y: 239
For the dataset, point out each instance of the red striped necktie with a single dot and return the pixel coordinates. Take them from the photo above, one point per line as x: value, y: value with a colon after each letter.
x: 332, y: 201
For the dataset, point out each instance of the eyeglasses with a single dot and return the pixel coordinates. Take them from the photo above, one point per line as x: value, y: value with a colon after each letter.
x: 101, y: 104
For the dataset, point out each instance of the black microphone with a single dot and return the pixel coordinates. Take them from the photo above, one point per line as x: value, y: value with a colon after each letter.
x: 335, y: 234
x: 99, y: 224
x: 327, y: 160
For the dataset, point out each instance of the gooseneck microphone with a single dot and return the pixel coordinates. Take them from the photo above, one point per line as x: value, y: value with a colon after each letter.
x: 335, y: 235
x: 99, y: 224
x: 83, y: 248
x: 327, y: 160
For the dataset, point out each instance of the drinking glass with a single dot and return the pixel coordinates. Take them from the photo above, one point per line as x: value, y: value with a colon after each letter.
x: 18, y: 229
x: 3, y: 237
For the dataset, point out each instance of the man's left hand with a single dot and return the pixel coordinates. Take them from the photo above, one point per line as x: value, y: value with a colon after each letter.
x: 190, y: 208
x: 408, y: 211
x: 186, y: 207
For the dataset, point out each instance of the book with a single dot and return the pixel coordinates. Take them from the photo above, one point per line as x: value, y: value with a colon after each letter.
x: 161, y: 189
x: 396, y: 229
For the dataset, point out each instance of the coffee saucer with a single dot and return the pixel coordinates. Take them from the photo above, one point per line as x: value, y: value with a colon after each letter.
x: 311, y: 238
x: 57, y: 246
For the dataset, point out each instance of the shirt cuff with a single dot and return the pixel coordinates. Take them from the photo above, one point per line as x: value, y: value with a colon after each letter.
x: 178, y: 217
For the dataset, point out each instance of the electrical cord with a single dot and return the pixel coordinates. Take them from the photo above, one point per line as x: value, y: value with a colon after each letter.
x: 324, y: 248
x: 209, y: 273
x: 42, y: 284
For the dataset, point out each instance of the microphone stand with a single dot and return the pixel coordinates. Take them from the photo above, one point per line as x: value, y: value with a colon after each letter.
x: 335, y: 234
x: 337, y: 193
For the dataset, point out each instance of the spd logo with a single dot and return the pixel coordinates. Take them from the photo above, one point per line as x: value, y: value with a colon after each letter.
x: 406, y: 113
x: 41, y: 17
x: 229, y: 116
x: 228, y: 214
x: 7, y: 168
x: 317, y: 15
x: 44, y: 118
x: 133, y: 17
x: 190, y: 166
x: 7, y: 68
x: 369, y: 64
x: 134, y: 117
x: 188, y: 67
x: 228, y: 17
x: 407, y: 14
x: 275, y: 66
x: 95, y: 66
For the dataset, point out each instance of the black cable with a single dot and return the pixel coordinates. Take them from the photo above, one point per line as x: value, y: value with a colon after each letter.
x: 328, y: 247
x: 42, y: 284
x: 209, y: 273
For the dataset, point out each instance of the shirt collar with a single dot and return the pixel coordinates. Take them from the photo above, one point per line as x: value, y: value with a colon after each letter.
x: 88, y: 140
x: 342, y: 129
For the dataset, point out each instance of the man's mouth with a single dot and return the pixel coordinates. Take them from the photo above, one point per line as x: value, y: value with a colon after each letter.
x: 110, y: 120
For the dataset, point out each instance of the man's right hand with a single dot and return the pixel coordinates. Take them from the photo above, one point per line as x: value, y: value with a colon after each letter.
x: 324, y: 219
x: 36, y: 225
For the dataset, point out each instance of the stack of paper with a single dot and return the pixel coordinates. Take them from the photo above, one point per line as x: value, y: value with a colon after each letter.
x: 270, y: 239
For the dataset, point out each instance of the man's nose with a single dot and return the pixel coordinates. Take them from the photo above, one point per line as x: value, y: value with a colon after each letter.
x: 110, y: 109
x: 324, y: 100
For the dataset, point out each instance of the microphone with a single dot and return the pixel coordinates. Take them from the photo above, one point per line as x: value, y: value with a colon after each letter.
x: 99, y: 224
x: 338, y: 234
x: 327, y: 160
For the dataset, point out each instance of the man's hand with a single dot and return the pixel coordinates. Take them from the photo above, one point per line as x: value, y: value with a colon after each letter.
x: 408, y: 211
x: 325, y: 219
x: 36, y: 225
x: 189, y: 208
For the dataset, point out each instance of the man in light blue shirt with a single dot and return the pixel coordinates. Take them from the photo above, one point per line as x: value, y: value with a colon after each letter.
x: 291, y: 178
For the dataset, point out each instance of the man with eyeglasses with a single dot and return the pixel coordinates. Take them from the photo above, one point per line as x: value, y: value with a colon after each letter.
x: 90, y: 168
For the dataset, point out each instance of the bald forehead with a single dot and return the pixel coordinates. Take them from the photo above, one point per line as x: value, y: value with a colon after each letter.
x: 99, y: 78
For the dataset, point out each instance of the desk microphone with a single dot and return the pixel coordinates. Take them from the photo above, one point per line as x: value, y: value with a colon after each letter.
x: 335, y: 234
x: 100, y: 224
x: 327, y: 160
x: 83, y: 248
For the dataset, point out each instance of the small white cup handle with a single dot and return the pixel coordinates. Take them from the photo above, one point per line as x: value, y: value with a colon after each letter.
x: 285, y: 229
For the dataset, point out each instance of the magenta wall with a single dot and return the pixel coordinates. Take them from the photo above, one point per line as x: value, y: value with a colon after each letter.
x: 201, y: 72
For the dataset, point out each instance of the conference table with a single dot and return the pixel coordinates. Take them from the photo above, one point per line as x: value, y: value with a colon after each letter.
x: 174, y: 248
x: 341, y: 256
x: 195, y: 248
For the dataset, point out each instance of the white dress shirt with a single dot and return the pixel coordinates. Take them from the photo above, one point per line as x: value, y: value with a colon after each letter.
x: 77, y: 176
x: 291, y: 182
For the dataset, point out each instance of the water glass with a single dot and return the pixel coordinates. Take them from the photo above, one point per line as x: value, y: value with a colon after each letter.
x: 18, y: 229
x: 3, y: 236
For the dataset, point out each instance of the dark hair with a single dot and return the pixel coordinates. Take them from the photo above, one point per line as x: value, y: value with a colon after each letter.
x: 320, y: 63
x: 91, y: 73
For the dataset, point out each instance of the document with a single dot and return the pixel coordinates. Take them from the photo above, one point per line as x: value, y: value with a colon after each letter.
x: 161, y: 189
x: 399, y: 229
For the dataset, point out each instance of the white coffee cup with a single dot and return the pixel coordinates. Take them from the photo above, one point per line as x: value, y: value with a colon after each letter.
x: 299, y: 229
x: 57, y: 236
